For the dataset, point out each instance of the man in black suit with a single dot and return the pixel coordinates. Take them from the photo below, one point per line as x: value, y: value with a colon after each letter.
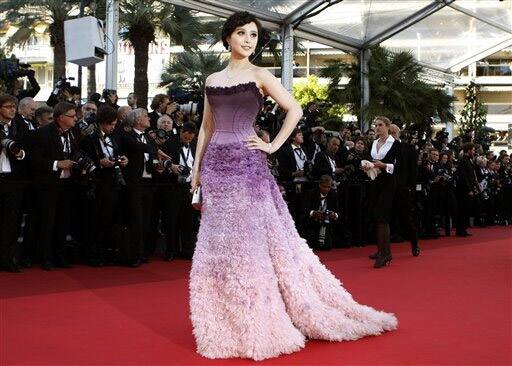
x: 183, y: 223
x: 404, y: 215
x: 326, y: 162
x: 466, y: 188
x: 161, y: 104
x: 26, y: 112
x: 142, y: 153
x: 11, y: 182
x: 54, y: 148
x: 320, y: 209
x: 103, y: 148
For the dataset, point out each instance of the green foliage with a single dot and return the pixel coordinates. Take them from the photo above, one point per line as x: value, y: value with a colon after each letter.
x: 188, y: 71
x: 396, y: 90
x: 473, y: 117
x: 309, y: 90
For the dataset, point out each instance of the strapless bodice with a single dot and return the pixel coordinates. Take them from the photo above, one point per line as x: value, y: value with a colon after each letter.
x: 234, y: 110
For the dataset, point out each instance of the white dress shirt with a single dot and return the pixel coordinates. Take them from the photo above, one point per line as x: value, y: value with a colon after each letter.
x: 300, y: 157
x: 187, y: 153
x: 381, y: 154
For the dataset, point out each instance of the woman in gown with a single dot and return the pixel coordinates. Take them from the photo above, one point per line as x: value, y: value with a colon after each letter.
x: 256, y: 288
x: 385, y: 154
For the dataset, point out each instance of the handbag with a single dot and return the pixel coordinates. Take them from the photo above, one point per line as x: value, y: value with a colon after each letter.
x: 197, y: 199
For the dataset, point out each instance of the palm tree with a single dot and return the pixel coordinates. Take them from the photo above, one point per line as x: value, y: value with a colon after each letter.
x: 187, y: 72
x: 142, y: 20
x: 28, y: 14
x: 396, y: 89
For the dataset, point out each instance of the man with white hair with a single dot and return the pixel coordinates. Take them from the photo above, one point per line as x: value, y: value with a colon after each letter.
x: 26, y: 111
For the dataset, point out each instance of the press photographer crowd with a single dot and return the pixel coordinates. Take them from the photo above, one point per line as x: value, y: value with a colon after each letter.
x: 102, y: 184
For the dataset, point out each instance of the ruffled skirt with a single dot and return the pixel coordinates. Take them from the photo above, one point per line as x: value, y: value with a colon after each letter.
x: 256, y: 288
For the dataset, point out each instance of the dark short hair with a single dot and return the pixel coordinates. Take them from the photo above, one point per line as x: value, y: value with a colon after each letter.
x: 7, y: 98
x: 189, y: 127
x: 360, y: 138
x: 106, y: 114
x: 236, y: 20
x: 467, y: 147
x: 42, y: 110
x: 157, y: 99
x: 294, y: 133
x: 62, y: 108
x: 74, y: 90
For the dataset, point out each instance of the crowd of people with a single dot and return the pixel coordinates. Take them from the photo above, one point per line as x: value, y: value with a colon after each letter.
x: 101, y: 184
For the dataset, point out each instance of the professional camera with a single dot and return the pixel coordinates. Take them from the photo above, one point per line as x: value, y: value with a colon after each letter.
x: 63, y: 83
x: 118, y: 174
x: 87, y: 125
x: 11, y: 69
x: 185, y: 172
x: 162, y: 134
x: 9, y: 144
x: 83, y: 162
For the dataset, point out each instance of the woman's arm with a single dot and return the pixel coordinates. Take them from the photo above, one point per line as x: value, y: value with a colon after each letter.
x: 272, y: 87
x: 203, y: 139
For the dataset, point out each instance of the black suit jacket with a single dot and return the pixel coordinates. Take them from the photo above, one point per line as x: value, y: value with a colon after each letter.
x: 465, y: 175
x: 153, y: 117
x: 312, y: 201
x: 18, y: 132
x: 407, y: 170
x: 322, y: 165
x: 92, y: 147
x: 287, y: 163
x: 134, y: 151
x: 48, y: 148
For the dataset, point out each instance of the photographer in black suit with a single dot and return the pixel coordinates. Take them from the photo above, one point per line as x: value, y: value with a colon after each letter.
x: 321, y: 210
x: 466, y: 188
x: 184, y: 221
x: 326, y: 162
x: 54, y: 156
x: 161, y: 104
x: 11, y: 182
x: 143, y: 155
x: 103, y: 148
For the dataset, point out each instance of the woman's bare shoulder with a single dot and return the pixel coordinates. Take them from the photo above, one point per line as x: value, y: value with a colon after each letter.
x: 214, y: 79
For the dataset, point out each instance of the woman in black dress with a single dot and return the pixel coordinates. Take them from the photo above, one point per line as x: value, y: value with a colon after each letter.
x: 385, y: 155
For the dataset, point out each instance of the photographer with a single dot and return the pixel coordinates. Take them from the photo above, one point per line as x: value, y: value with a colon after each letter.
x: 429, y: 181
x: 26, y: 112
x: 11, y: 71
x: 64, y: 92
x: 110, y: 98
x: 43, y: 116
x: 132, y: 100
x: 54, y: 157
x: 321, y: 210
x: 161, y: 104
x: 11, y: 183
x: 103, y: 148
x: 466, y: 188
x: 143, y: 155
x: 184, y: 218
x: 326, y: 162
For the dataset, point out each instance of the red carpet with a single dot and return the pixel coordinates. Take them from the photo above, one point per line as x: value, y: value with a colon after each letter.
x: 453, y: 303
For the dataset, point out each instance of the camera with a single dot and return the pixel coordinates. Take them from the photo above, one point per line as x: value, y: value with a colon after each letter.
x: 83, y: 162
x: 162, y: 134
x: 12, y: 69
x: 185, y: 172
x: 118, y: 174
x: 9, y: 144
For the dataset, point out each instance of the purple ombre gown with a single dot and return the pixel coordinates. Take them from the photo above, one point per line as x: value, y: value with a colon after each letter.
x: 256, y: 288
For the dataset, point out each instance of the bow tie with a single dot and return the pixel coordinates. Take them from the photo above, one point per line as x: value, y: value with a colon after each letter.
x: 297, y: 149
x: 186, y: 146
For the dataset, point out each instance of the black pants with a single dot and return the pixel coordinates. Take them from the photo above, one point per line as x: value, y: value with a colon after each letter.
x: 404, y: 221
x: 464, y: 202
x: 29, y: 210
x: 140, y: 205
x: 185, y: 220
x: 11, y: 194
x: 104, y: 208
x: 54, y: 216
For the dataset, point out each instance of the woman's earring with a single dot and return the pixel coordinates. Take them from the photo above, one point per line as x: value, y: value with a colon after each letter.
x: 229, y: 47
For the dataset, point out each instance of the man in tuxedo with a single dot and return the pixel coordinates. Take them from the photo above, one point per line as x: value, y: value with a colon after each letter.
x: 466, y: 188
x: 11, y: 182
x: 43, y: 116
x: 161, y: 104
x: 142, y: 154
x: 26, y: 112
x: 132, y: 100
x: 103, y: 148
x: 326, y: 162
x: 404, y: 219
x: 184, y: 220
x: 320, y: 209
x: 54, y: 148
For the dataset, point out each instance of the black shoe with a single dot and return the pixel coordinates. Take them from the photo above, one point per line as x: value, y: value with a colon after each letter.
x: 136, y: 263
x: 48, y: 266
x: 415, y: 249
x: 97, y: 263
x: 169, y: 257
x: 374, y: 255
x: 382, y: 261
x: 145, y: 260
x: 463, y: 234
x: 13, y: 267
